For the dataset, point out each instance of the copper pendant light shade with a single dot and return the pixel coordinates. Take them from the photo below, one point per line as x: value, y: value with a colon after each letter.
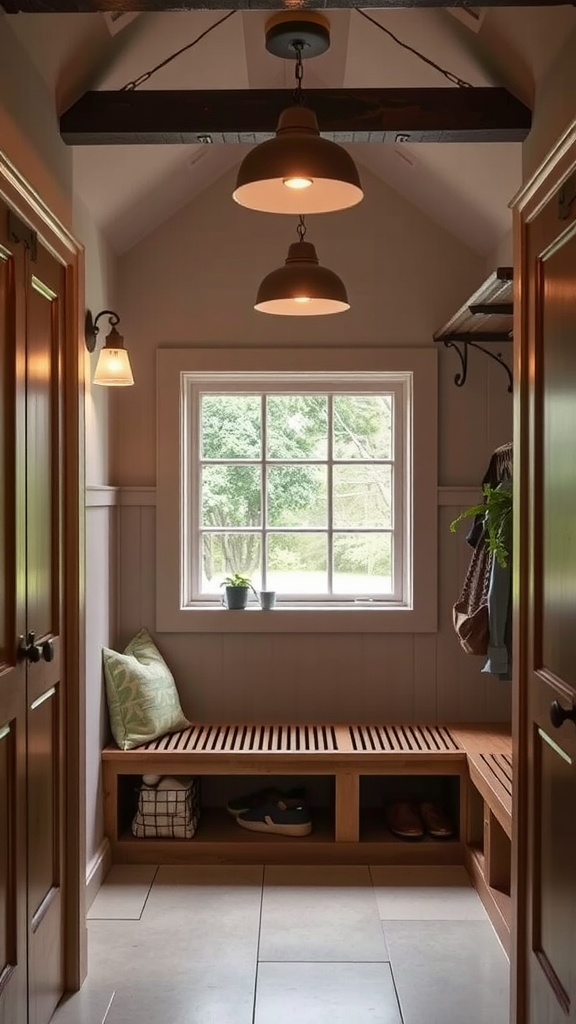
x: 302, y: 287
x: 298, y: 171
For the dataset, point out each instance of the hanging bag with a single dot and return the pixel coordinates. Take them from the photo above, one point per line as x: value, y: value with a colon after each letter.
x: 470, y: 612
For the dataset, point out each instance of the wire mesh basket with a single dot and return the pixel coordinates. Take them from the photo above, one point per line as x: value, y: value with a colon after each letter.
x: 169, y: 810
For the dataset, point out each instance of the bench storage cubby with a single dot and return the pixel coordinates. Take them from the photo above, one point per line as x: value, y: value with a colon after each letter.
x: 341, y: 753
x: 350, y: 771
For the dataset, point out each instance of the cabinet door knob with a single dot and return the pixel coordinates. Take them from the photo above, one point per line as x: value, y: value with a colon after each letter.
x: 28, y: 649
x: 48, y: 650
x: 559, y: 715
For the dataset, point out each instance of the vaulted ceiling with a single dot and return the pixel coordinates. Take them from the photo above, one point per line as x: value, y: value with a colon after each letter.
x: 132, y: 189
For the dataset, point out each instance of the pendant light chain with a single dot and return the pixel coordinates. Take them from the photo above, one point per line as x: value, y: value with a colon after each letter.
x: 301, y: 229
x: 148, y: 74
x: 298, y: 171
x: 460, y: 82
x: 298, y: 93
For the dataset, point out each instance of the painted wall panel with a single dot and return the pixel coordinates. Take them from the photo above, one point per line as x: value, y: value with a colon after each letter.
x: 101, y: 605
x: 312, y: 677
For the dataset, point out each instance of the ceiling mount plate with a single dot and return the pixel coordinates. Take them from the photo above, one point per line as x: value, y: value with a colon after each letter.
x: 285, y: 30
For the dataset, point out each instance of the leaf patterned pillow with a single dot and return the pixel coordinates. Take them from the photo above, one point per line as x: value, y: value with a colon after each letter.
x: 143, y: 701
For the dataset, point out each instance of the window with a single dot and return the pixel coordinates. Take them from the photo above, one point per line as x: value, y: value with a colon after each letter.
x: 303, y: 478
x: 300, y: 484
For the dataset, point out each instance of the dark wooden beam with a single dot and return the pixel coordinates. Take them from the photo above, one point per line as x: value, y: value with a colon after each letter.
x: 72, y: 6
x: 250, y: 116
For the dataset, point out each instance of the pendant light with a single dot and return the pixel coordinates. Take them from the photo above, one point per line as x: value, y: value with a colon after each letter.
x: 298, y: 171
x: 113, y: 368
x: 302, y: 287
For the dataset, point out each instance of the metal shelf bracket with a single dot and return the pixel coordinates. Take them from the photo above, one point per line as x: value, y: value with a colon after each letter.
x: 460, y: 346
x: 486, y: 319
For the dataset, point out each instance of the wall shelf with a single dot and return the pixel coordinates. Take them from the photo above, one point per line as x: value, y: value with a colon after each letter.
x: 486, y: 319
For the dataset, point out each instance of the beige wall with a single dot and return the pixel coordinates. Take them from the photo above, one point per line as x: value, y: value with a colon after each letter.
x: 193, y: 282
x: 101, y: 575
x: 29, y: 134
x: 101, y: 270
x: 501, y: 256
x: 554, y: 108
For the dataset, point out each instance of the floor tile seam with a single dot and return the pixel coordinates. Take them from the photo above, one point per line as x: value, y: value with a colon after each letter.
x: 338, y: 963
x: 255, y: 993
x: 147, y: 897
x: 107, y: 1010
x: 139, y: 918
x: 396, y: 992
x: 439, y: 920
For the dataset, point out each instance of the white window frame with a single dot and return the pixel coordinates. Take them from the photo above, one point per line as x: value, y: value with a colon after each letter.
x: 181, y: 371
x: 196, y: 385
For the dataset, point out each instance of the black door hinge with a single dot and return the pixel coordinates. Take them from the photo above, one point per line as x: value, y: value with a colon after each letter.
x: 566, y: 196
x: 22, y: 233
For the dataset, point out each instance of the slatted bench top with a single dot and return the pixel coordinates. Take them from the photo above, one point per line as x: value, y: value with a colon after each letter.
x: 492, y: 776
x: 259, y: 744
x: 347, y: 832
x: 489, y: 752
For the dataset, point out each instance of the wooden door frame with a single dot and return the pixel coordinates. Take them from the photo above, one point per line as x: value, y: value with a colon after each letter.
x: 535, y: 194
x: 19, y: 194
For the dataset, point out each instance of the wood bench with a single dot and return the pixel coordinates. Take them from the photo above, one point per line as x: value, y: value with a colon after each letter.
x: 479, y: 757
x: 488, y: 823
x: 346, y: 753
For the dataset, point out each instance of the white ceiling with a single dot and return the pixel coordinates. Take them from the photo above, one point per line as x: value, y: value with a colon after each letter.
x: 130, y: 190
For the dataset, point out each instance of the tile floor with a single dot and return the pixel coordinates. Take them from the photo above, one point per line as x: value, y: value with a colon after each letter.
x: 290, y: 945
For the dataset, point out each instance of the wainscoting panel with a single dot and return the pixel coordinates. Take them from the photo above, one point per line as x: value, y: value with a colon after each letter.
x: 101, y: 631
x: 364, y: 677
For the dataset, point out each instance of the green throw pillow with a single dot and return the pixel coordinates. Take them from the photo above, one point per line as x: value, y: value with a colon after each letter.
x: 142, y: 697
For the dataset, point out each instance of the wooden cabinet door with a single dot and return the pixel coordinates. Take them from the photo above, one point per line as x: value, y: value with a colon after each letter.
x: 13, y: 928
x: 31, y: 580
x: 45, y: 752
x: 546, y: 669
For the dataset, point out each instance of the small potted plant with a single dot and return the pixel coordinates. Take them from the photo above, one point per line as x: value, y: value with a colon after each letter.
x: 237, y: 587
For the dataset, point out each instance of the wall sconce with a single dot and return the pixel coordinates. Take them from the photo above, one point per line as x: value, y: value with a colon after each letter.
x: 113, y: 368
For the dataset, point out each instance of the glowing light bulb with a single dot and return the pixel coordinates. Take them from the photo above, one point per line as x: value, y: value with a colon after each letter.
x: 301, y: 298
x: 297, y: 182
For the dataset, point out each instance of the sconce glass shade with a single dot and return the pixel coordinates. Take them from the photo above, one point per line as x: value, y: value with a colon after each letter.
x: 302, y: 287
x: 298, y: 171
x: 113, y: 369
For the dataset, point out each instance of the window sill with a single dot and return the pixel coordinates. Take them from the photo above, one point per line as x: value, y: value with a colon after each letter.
x: 296, y: 620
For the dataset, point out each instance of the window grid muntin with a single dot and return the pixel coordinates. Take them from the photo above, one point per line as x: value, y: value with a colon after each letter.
x: 397, y: 385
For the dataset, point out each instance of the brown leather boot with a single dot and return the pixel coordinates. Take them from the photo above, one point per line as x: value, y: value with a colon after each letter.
x: 404, y: 820
x: 437, y: 823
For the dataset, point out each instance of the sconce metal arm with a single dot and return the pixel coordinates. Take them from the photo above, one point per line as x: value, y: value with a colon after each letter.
x: 91, y: 329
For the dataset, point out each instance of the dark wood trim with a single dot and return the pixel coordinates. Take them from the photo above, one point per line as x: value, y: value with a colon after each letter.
x: 75, y: 648
x: 85, y: 6
x: 528, y: 205
x: 17, y: 192
x: 250, y: 115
